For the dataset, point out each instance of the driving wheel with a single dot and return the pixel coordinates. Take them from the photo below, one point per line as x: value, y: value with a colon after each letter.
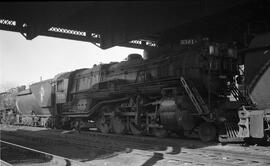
x: 118, y: 125
x: 135, y: 130
x: 102, y: 125
x: 160, y: 132
x: 207, y: 132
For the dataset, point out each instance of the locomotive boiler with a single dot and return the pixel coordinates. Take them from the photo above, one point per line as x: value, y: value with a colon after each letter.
x: 7, y: 106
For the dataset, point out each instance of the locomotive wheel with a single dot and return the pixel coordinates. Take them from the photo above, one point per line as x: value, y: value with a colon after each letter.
x: 159, y: 132
x: 49, y: 124
x: 102, y: 125
x: 207, y: 132
x: 180, y: 133
x: 118, y: 125
x: 72, y: 125
x: 134, y: 129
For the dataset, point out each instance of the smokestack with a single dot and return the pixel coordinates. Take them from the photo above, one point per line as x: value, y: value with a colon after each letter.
x: 40, y: 78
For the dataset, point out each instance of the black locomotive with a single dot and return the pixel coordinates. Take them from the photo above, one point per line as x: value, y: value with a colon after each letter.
x: 190, y: 91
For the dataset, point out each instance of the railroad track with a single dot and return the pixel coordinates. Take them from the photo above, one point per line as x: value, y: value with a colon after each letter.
x: 159, y: 141
x: 162, y: 149
x: 194, y: 156
x: 14, y: 154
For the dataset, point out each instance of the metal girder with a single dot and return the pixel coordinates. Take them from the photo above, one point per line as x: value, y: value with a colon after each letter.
x: 108, y: 24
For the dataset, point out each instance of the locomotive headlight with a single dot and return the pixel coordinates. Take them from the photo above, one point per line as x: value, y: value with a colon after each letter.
x: 211, y: 50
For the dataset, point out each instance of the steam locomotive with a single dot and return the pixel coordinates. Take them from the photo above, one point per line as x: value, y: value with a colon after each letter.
x: 190, y: 91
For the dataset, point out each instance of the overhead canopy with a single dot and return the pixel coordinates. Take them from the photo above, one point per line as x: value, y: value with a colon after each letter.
x: 134, y: 24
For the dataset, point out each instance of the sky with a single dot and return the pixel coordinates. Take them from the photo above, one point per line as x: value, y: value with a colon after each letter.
x: 23, y: 62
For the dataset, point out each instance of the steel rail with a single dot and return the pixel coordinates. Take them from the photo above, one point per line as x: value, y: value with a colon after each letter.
x: 56, y: 160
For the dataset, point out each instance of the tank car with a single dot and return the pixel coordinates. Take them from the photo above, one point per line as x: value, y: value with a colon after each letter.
x: 8, y: 105
x: 31, y: 107
x: 35, y: 105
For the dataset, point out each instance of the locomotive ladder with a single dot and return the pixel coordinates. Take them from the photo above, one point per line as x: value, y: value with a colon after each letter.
x: 199, y: 104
